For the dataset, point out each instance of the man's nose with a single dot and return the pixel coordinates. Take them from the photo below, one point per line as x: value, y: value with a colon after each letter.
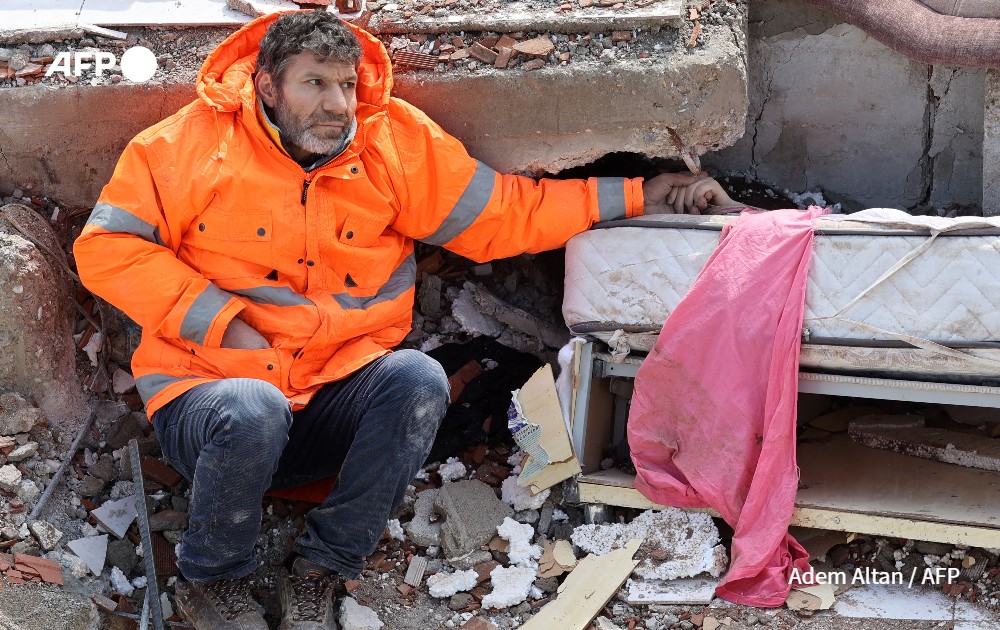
x: 334, y: 101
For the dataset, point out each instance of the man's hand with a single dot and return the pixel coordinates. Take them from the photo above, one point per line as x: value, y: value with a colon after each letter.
x: 240, y: 335
x: 697, y: 197
x: 657, y: 190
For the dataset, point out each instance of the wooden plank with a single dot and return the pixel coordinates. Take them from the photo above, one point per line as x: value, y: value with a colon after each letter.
x: 851, y: 488
x: 586, y: 590
x: 830, y: 519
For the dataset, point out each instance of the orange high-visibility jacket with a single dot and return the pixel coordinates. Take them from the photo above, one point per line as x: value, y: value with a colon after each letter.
x: 206, y: 218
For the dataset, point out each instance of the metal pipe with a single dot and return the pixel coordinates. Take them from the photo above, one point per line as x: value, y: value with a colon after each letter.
x: 62, y: 468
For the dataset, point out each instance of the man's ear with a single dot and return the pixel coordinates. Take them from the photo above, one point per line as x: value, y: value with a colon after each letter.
x: 266, y: 88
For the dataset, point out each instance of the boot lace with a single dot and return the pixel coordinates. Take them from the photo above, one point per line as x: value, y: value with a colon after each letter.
x: 230, y: 597
x: 308, y: 596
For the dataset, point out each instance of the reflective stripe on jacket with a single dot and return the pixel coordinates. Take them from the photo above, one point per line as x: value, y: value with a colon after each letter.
x: 205, y: 218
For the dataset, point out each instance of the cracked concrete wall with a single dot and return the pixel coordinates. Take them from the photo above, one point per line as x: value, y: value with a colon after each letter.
x: 833, y: 109
x: 991, y: 146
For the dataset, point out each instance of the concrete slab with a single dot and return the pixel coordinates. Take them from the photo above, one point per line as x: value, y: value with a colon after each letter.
x: 159, y: 12
x: 92, y: 550
x: 31, y: 607
x: 26, y: 14
x: 878, y: 601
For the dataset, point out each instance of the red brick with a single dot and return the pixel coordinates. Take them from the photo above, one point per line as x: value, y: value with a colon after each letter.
x: 159, y: 472
x: 505, y: 42
x: 503, y: 58
x: 484, y: 54
x: 540, y: 46
x: 489, y: 41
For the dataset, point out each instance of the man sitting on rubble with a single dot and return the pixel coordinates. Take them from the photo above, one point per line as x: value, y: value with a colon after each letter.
x: 262, y: 237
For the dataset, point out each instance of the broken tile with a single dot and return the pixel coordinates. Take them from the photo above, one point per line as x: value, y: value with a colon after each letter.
x: 484, y: 54
x: 420, y: 61
x: 503, y: 57
x: 540, y: 46
x: 116, y: 516
x: 505, y: 41
x: 415, y: 572
x: 93, y: 551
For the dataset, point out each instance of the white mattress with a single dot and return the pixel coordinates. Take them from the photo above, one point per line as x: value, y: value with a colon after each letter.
x: 622, y: 283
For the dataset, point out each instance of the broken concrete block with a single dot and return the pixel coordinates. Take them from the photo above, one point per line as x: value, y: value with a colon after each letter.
x: 466, y: 312
x: 23, y: 452
x: 93, y: 551
x: 116, y: 516
x: 354, y: 616
x: 46, y: 533
x: 511, y: 586
x: 10, y: 478
x: 17, y: 415
x: 472, y: 514
x: 47, y: 609
x: 690, y: 540
x: 37, y: 357
x: 941, y: 445
x: 693, y: 590
x: 168, y: 520
x: 447, y: 584
x: 420, y: 529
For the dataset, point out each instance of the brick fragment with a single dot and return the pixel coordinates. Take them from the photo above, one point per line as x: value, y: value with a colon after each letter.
x: 419, y: 61
x: 155, y: 470
x: 503, y: 58
x: 534, y: 64
x: 505, y: 41
x: 484, y: 54
x: 540, y: 46
x: 621, y: 36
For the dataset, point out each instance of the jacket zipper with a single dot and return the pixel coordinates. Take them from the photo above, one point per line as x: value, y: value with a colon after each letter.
x: 305, y: 190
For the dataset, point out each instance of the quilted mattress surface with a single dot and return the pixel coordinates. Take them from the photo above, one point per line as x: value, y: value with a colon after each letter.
x: 631, y: 276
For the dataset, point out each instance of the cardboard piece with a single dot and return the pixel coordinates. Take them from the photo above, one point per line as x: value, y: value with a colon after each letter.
x: 537, y: 423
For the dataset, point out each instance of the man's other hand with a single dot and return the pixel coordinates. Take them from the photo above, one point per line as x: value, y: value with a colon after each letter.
x: 240, y: 335
x: 698, y: 197
x: 655, y: 191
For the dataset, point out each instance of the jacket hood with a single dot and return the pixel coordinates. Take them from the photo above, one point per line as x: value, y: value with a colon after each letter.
x: 224, y: 81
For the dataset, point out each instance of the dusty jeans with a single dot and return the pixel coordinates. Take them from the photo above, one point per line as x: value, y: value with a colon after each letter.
x: 236, y: 438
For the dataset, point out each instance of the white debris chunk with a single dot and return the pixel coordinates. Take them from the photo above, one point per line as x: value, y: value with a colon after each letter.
x: 10, y: 478
x: 452, y: 470
x: 139, y: 582
x: 511, y: 586
x: 396, y: 530
x: 690, y: 538
x: 120, y: 583
x: 354, y: 616
x: 447, y: 584
x: 93, y: 347
x: 519, y: 535
x: 46, y: 533
x: 521, y: 498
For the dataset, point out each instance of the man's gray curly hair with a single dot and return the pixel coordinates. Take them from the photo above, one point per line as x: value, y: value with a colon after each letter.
x: 318, y: 32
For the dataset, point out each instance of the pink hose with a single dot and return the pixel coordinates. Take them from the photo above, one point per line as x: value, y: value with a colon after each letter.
x: 912, y: 29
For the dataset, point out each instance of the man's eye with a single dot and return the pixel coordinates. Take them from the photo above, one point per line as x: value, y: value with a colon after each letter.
x: 315, y: 81
x: 347, y: 85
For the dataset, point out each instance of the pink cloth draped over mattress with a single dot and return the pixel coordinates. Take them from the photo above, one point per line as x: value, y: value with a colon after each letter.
x: 713, y: 416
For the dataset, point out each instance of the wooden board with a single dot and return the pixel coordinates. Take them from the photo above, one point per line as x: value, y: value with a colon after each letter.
x: 586, y: 590
x: 856, y: 489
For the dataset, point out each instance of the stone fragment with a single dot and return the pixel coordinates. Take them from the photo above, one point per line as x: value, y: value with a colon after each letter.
x: 472, y: 514
x: 91, y: 486
x: 122, y: 381
x: 92, y: 550
x: 460, y: 601
x: 23, y: 452
x: 429, y: 296
x: 129, y: 426
x: 354, y: 616
x: 165, y: 520
x: 116, y: 516
x: 47, y: 609
x: 17, y: 415
x: 10, y: 478
x: 46, y: 533
x: 121, y: 554
x: 420, y: 529
x: 540, y: 46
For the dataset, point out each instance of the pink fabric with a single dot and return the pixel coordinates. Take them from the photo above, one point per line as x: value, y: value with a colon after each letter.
x: 712, y: 422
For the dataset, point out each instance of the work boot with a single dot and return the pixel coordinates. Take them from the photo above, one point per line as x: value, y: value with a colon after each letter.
x: 307, y: 592
x: 219, y: 605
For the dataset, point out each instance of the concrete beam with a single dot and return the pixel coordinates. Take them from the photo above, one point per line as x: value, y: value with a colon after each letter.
x: 991, y: 145
x: 65, y: 142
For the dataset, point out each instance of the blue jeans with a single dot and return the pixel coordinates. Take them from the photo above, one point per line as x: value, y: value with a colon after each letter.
x: 236, y: 438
